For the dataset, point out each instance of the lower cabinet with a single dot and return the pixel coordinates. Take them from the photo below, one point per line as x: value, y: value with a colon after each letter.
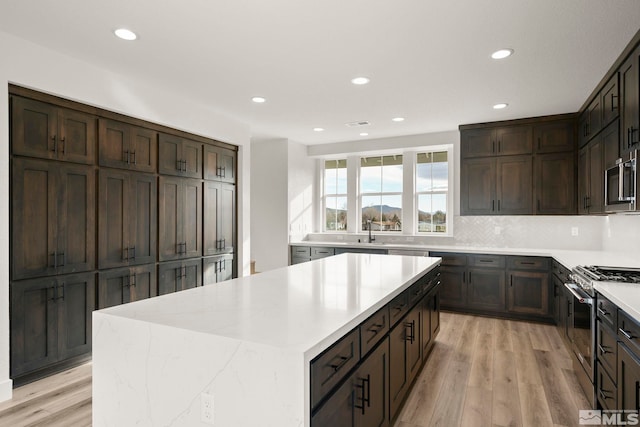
x: 528, y: 292
x: 485, y: 289
x: 179, y: 275
x: 50, y: 320
x: 124, y: 285
x: 628, y: 379
x: 362, y: 400
x: 217, y: 269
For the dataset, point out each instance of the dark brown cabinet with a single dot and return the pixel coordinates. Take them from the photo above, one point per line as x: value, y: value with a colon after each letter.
x: 609, y: 99
x: 179, y: 156
x: 49, y: 132
x: 219, y: 164
x: 485, y: 289
x: 590, y: 178
x: 219, y: 219
x: 501, y: 141
x: 555, y: 184
x: 179, y: 275
x: 404, y: 358
x: 554, y: 136
x: 528, y: 292
x: 591, y: 120
x: 478, y: 186
x: 53, y: 210
x: 217, y: 269
x: 628, y: 379
x: 123, y: 285
x: 127, y: 222
x: 50, y: 320
x: 629, y: 103
x: 125, y: 146
x: 179, y: 218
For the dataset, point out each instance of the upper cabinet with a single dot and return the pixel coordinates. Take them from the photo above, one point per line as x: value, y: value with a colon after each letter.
x: 180, y: 156
x: 610, y: 96
x: 507, y: 166
x: 126, y: 146
x: 219, y: 164
x: 629, y: 91
x: 49, y: 132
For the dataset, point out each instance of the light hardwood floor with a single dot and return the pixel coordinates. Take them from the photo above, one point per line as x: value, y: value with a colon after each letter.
x: 481, y: 372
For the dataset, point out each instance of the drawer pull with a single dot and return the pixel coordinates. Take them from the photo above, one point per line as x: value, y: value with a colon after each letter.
x: 602, y: 349
x: 343, y: 361
x: 603, y: 312
x: 486, y: 260
x: 527, y: 263
x: 411, y: 337
x: 375, y: 328
x: 601, y: 393
x: 625, y: 333
x: 366, y: 393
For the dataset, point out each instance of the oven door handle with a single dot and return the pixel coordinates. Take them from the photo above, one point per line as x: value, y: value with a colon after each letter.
x: 580, y: 295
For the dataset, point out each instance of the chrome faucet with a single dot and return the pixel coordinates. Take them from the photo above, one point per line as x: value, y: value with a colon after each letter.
x: 371, y: 238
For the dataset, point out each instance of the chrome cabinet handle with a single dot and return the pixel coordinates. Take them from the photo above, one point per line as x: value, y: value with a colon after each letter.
x: 625, y: 333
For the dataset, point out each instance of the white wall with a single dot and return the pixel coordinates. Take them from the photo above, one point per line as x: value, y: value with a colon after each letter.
x: 302, y: 194
x: 30, y: 65
x: 621, y: 233
x: 269, y: 201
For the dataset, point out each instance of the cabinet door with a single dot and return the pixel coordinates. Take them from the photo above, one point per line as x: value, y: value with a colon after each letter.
x: 169, y: 277
x: 338, y: 410
x: 142, y: 284
x: 514, y: 185
x: 191, y: 274
x: 610, y: 145
x: 77, y: 137
x: 34, y: 130
x: 555, y: 136
x: 594, y: 124
x: 477, y: 143
x: 142, y: 217
x: 143, y: 149
x: 398, y: 372
x: 192, y: 218
x: 170, y: 155
x: 112, y: 287
x: 584, y: 175
x: 219, y: 164
x: 514, y: 140
x: 225, y: 268
x: 555, y: 184
x: 425, y: 324
x: 76, y: 219
x: 227, y: 217
x: 413, y: 336
x: 609, y: 100
x: 170, y: 217
x: 210, y: 270
x: 583, y: 124
x: 371, y: 397
x: 486, y: 289
x: 113, y: 146
x: 478, y: 186
x: 34, y: 211
x: 434, y: 309
x: 628, y: 380
x: 630, y: 98
x: 34, y: 332
x: 76, y: 299
x: 113, y: 220
x: 595, y: 200
x: 528, y: 292
x: 211, y: 222
x: 454, y: 286
x: 192, y: 158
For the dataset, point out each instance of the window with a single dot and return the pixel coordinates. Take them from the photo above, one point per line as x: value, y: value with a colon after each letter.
x: 335, y: 195
x: 432, y: 187
x: 381, y: 193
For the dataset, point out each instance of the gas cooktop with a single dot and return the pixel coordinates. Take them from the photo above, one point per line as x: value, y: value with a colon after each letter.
x: 609, y: 274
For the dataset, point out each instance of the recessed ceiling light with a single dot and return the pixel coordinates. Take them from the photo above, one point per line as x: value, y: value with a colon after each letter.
x: 318, y: 129
x: 500, y: 106
x: 502, y: 53
x: 360, y: 81
x: 364, y: 134
x: 398, y: 119
x: 125, y: 34
x: 258, y: 99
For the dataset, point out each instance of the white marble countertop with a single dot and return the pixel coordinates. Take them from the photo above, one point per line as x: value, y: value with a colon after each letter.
x: 304, y: 308
x: 625, y: 295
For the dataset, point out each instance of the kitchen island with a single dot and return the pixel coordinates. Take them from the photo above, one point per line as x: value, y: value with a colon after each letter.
x: 248, y: 343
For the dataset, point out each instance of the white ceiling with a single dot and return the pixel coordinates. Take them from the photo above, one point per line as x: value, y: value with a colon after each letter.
x: 428, y: 60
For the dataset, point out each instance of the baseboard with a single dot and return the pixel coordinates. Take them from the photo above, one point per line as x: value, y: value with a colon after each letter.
x: 6, y: 390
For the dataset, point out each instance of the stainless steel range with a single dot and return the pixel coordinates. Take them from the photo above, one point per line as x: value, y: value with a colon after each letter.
x: 582, y: 316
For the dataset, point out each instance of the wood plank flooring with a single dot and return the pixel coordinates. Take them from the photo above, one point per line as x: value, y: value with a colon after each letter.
x: 481, y: 372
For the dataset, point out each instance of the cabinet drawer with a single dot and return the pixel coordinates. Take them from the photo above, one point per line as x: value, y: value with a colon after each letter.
x: 398, y: 307
x: 449, y: 258
x: 300, y: 251
x: 607, y: 312
x: 606, y: 389
x: 433, y: 279
x: 321, y: 252
x: 561, y: 271
x: 415, y: 291
x: 299, y: 259
x: 629, y: 332
x: 527, y: 263
x: 373, y: 330
x: 331, y: 366
x: 607, y: 349
x: 495, y: 261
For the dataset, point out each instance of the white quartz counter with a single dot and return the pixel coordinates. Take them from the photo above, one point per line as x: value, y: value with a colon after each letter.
x: 247, y: 341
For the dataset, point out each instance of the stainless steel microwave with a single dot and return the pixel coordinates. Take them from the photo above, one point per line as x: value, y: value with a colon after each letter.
x: 621, y: 185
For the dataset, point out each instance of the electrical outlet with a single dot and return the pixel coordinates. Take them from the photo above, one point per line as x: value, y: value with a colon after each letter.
x: 497, y: 230
x: 575, y: 231
x: 206, y: 408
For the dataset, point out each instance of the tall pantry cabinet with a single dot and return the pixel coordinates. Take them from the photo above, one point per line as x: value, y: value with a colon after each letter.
x: 106, y: 210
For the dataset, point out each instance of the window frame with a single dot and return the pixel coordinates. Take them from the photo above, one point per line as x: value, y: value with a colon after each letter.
x: 325, y: 195
x: 447, y: 192
x: 381, y: 194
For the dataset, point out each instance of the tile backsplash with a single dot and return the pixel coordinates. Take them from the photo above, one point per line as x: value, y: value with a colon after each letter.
x: 551, y: 232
